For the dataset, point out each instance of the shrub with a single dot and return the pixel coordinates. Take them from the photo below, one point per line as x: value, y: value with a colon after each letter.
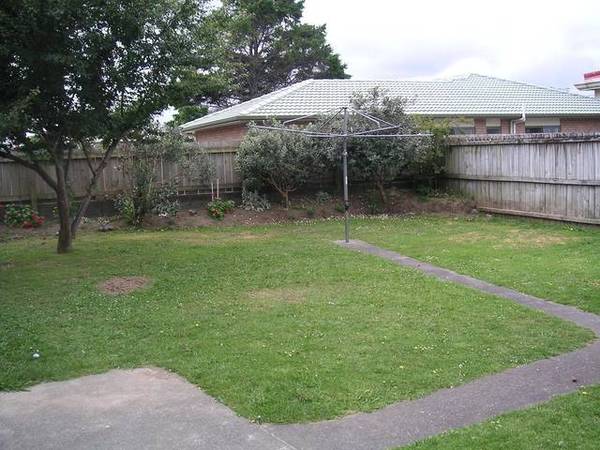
x: 322, y: 197
x: 373, y: 203
x: 218, y: 208
x: 22, y: 216
x: 253, y: 201
x: 134, y: 205
x: 165, y: 201
x: 283, y: 160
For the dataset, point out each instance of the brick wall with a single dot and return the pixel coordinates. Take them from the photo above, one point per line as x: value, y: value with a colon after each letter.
x: 221, y: 137
x: 480, y: 126
x: 520, y: 128
x: 580, y: 125
x: 230, y: 136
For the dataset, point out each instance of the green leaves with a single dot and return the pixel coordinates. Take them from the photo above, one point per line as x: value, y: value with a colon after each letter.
x: 282, y: 160
x: 261, y: 46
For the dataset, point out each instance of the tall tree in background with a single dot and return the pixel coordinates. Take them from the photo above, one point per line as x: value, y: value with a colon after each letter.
x: 75, y: 73
x: 261, y: 46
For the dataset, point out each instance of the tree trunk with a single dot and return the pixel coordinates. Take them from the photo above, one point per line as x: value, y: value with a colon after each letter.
x: 62, y: 204
x: 382, y: 192
x: 92, y: 184
x: 286, y: 198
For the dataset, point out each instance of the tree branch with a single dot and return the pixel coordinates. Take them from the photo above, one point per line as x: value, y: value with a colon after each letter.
x: 30, y: 165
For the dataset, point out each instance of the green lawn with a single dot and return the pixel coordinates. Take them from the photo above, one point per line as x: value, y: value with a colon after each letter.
x: 277, y: 322
x: 559, y: 262
x: 568, y: 422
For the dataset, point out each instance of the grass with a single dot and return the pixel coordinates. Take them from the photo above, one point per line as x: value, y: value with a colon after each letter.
x: 568, y: 422
x: 277, y: 322
x: 550, y: 260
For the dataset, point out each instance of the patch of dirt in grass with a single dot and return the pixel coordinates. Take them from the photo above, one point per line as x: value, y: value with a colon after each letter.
x: 469, y: 237
x: 514, y: 239
x: 521, y: 238
x: 123, y: 285
x: 280, y: 295
x: 217, y: 238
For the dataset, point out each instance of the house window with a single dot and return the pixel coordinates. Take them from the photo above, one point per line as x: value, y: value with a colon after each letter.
x: 462, y: 126
x: 542, y: 125
x: 493, y: 126
x: 462, y: 130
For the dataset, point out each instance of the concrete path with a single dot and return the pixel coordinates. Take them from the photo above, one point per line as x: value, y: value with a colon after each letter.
x: 125, y: 409
x: 152, y: 408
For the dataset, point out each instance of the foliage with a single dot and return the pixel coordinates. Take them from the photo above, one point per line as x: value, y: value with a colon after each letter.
x: 262, y: 46
x: 218, y: 208
x: 74, y: 72
x: 322, y: 197
x: 133, y: 206
x: 140, y: 163
x: 281, y: 314
x: 374, y: 203
x: 253, y: 201
x: 22, y: 216
x: 431, y: 160
x: 282, y: 160
x: 187, y: 113
x: 381, y: 160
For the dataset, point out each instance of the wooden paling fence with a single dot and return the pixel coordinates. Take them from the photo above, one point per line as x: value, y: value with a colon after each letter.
x: 554, y: 176
x: 18, y: 183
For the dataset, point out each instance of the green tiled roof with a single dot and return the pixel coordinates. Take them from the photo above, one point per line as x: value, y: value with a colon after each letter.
x: 467, y: 96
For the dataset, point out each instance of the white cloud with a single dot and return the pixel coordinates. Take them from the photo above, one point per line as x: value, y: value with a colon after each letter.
x: 542, y: 42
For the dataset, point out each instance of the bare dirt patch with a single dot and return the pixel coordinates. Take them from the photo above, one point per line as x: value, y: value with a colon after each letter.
x: 521, y: 238
x: 123, y: 285
x: 280, y: 295
x: 514, y: 239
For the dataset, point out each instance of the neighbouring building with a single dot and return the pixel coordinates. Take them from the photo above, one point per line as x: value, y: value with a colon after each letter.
x: 473, y: 104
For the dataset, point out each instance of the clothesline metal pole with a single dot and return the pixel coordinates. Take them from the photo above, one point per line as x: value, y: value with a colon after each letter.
x: 380, y: 132
x: 345, y: 169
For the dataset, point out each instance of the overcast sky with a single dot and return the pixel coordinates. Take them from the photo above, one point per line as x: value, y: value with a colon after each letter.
x: 542, y: 42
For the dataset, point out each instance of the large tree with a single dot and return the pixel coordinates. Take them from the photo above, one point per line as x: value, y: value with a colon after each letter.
x: 78, y: 75
x: 262, y: 45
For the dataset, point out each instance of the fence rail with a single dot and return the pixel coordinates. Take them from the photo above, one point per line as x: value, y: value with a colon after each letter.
x: 18, y: 183
x: 554, y: 176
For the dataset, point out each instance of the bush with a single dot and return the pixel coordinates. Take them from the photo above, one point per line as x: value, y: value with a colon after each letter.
x: 218, y: 208
x: 282, y: 160
x: 143, y: 154
x: 322, y: 197
x: 253, y: 201
x: 22, y: 216
x: 134, y: 205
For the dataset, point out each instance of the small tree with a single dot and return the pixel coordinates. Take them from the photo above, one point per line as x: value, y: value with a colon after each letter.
x: 73, y: 73
x: 283, y: 160
x: 142, y: 155
x: 381, y: 160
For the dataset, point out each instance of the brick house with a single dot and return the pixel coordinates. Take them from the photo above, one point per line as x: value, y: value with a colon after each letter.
x: 474, y: 104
